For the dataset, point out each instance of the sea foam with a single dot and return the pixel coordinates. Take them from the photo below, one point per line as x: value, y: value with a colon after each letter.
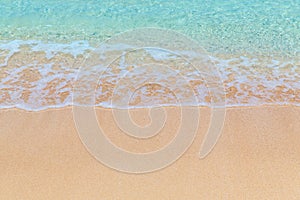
x: 37, y: 76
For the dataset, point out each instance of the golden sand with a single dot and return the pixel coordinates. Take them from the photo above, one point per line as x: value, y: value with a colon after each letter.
x: 257, y: 157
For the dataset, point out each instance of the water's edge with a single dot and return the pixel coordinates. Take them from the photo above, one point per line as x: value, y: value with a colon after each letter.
x: 37, y: 76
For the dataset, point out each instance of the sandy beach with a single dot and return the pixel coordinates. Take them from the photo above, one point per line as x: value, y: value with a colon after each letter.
x: 256, y: 157
x: 212, y: 89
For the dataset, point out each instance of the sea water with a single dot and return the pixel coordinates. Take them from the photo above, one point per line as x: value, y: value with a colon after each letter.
x: 254, y: 44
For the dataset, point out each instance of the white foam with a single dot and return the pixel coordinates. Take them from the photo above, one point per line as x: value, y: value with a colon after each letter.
x: 245, y: 73
x: 51, y: 49
x: 75, y: 48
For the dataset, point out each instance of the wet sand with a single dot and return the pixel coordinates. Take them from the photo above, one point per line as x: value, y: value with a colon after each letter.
x: 256, y: 157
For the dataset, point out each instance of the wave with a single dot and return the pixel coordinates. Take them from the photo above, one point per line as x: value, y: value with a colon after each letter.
x: 37, y: 76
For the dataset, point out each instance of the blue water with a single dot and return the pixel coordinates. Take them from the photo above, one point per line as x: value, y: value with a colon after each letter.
x: 231, y: 26
x: 255, y: 45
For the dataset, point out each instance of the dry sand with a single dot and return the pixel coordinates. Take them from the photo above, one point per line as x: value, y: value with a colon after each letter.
x: 257, y: 157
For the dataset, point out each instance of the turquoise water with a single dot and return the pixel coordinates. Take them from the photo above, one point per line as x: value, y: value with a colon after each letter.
x: 254, y: 44
x: 232, y: 26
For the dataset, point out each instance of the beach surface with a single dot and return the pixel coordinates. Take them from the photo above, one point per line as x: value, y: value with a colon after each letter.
x: 256, y: 157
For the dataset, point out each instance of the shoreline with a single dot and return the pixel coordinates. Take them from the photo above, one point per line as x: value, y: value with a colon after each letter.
x: 150, y: 107
x: 49, y: 75
x: 256, y: 157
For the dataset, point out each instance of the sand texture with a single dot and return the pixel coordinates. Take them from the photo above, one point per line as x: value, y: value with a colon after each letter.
x: 256, y: 157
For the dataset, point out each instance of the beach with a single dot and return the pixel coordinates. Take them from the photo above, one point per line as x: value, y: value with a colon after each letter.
x: 212, y: 89
x: 256, y: 157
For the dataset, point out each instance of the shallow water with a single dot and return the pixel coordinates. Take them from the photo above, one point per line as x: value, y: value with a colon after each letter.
x: 254, y: 44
